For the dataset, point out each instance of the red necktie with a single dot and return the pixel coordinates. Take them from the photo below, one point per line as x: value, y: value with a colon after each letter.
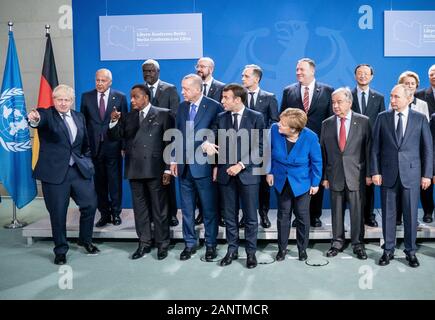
x: 306, y: 100
x: 102, y: 107
x: 342, y: 139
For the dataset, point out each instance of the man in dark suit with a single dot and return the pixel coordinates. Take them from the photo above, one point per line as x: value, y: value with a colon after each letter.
x: 239, y: 143
x: 96, y: 105
x: 163, y: 95
x: 142, y: 130
x: 212, y: 89
x: 265, y: 103
x: 428, y: 95
x: 345, y: 141
x: 401, y: 162
x: 315, y: 99
x: 369, y: 103
x: 65, y: 169
x: 196, y: 113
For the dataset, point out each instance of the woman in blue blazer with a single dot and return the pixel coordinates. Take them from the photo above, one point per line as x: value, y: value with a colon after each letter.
x: 295, y: 173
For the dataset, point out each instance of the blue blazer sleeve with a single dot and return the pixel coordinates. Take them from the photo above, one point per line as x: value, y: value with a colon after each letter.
x: 316, y: 162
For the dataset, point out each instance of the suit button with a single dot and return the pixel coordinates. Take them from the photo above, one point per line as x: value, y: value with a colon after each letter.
x: 144, y: 145
x: 150, y: 135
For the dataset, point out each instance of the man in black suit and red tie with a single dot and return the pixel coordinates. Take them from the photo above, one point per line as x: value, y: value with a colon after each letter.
x: 264, y: 102
x: 142, y: 130
x: 369, y: 103
x: 96, y: 105
x: 315, y: 99
x: 163, y: 95
x: 65, y: 169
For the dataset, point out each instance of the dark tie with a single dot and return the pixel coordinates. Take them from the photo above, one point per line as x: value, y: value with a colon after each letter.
x: 192, y: 112
x: 102, y: 107
x: 251, y: 101
x: 152, y: 94
x: 342, y: 139
x: 235, y: 123
x: 141, y: 116
x: 71, y: 138
x: 363, y: 102
x: 204, y: 91
x: 306, y: 100
x: 399, y: 129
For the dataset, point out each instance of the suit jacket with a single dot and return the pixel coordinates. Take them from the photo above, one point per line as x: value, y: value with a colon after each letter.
x: 411, y: 160
x: 144, y: 143
x: 267, y: 105
x: 166, y: 97
x: 432, y: 130
x: 56, y: 149
x: 302, y: 167
x: 427, y: 95
x: 250, y: 120
x: 320, y: 107
x: 215, y: 91
x: 205, y: 119
x: 349, y: 167
x: 375, y: 104
x: 97, y: 127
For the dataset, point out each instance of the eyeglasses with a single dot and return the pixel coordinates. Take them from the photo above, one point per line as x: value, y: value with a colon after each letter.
x: 201, y: 66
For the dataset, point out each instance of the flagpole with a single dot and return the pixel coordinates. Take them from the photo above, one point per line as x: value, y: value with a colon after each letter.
x: 15, y: 224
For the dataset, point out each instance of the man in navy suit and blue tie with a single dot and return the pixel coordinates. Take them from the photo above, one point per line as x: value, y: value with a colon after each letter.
x: 196, y: 113
x: 65, y: 169
x: 96, y: 105
x: 240, y: 148
x: 401, y: 163
x: 315, y: 99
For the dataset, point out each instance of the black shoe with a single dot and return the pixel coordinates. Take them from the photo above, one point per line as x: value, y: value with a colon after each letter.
x: 242, y: 223
x: 89, y: 247
x: 173, y: 222
x: 229, y: 257
x: 60, y: 259
x: 398, y: 222
x: 332, y: 252
x: 162, y: 253
x: 199, y: 219
x: 360, y: 253
x: 316, y: 223
x: 303, y: 255
x: 280, y: 256
x: 116, y: 220
x: 210, y: 254
x: 251, y: 261
x: 141, y: 251
x: 427, y: 218
x: 294, y: 223
x: 187, y: 253
x: 264, y: 221
x: 222, y: 222
x: 412, y: 260
x: 103, y: 221
x: 385, y: 259
x: 371, y: 222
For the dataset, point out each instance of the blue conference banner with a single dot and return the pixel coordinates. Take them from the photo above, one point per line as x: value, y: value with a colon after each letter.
x: 15, y: 146
x: 274, y: 34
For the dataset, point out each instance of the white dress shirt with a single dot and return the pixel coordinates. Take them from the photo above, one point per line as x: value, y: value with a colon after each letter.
x: 310, y: 92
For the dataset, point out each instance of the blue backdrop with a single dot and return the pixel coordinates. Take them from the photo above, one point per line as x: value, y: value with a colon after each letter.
x: 273, y: 34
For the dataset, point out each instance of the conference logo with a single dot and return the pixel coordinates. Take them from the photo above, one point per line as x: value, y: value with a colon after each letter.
x: 14, y: 129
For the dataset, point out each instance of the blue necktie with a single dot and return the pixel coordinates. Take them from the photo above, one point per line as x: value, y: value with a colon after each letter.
x: 192, y: 112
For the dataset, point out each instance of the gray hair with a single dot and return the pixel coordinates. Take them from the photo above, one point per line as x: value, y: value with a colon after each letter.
x: 106, y: 71
x: 153, y: 62
x: 309, y: 61
x: 408, y: 92
x: 208, y: 59
x: 195, y: 79
x: 346, y: 91
x: 63, y: 89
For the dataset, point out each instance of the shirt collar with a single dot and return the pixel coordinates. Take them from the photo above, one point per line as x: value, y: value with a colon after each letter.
x: 359, y: 90
x: 208, y: 82
x: 310, y: 86
x: 348, y: 116
x: 66, y: 113
x: 255, y: 91
x: 198, y: 102
x: 155, y: 85
x: 404, y: 112
x: 146, y: 109
x: 240, y: 111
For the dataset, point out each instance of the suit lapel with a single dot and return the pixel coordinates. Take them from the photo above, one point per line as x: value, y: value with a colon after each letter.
x: 298, y: 95
x: 244, y: 119
x: 79, y: 125
x: 355, y: 100
x: 111, y: 102
x: 62, y: 124
x: 429, y: 97
x: 212, y: 89
x: 316, y: 94
x: 353, y: 126
x: 409, y: 126
x: 202, y: 109
x: 392, y: 127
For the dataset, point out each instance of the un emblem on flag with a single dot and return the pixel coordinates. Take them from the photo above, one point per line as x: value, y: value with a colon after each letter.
x: 14, y: 129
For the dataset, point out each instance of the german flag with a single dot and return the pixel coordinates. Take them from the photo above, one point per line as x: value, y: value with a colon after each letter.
x: 47, y: 84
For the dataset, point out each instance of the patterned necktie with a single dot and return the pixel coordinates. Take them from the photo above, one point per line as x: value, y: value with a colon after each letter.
x: 204, y: 91
x: 192, y: 112
x: 235, y: 122
x: 342, y: 139
x: 102, y: 107
x: 141, y: 116
x: 71, y: 138
x: 363, y: 102
x: 251, y: 101
x: 152, y: 94
x: 399, y: 129
x: 306, y: 99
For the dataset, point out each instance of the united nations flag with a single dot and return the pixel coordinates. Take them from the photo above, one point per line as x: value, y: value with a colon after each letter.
x: 15, y: 146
